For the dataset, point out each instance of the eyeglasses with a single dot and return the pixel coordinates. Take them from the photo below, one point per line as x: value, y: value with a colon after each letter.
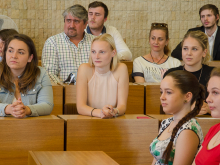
x: 159, y: 24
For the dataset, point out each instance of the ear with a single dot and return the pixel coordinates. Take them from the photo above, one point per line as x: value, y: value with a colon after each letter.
x: 30, y: 58
x: 167, y: 41
x: 217, y: 17
x: 204, y: 52
x: 105, y: 19
x: 114, y: 53
x: 188, y: 96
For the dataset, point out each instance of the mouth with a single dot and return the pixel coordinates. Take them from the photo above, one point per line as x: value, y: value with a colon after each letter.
x: 14, y: 62
x: 72, y: 29
x: 97, y: 61
x: 188, y: 59
x: 211, y: 108
x: 164, y: 104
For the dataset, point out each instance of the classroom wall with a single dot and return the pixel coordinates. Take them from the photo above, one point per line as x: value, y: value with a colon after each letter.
x: 41, y: 19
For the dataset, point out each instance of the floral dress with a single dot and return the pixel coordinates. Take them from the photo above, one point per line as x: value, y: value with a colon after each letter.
x: 157, y: 147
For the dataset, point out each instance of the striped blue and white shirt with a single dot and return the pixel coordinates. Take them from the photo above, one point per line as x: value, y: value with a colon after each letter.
x: 60, y: 56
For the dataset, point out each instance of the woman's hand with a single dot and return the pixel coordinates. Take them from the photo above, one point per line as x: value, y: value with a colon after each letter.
x: 107, y: 112
x: 19, y: 110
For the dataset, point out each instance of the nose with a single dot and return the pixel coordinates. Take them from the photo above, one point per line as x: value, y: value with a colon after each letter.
x: 14, y: 55
x: 72, y: 24
x: 208, y: 99
x: 97, y: 56
x: 162, y: 96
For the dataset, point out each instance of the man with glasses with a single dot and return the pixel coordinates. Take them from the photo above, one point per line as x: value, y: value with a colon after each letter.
x: 209, y: 16
x: 97, y: 15
x: 63, y: 53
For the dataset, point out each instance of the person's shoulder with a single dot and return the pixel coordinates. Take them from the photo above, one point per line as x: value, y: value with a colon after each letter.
x: 108, y: 27
x: 140, y: 58
x: 85, y: 66
x: 208, y: 68
x: 89, y: 37
x: 173, y: 69
x: 121, y: 67
x: 55, y: 38
x: 170, y: 58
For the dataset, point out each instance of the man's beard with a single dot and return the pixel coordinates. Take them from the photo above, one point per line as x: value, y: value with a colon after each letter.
x: 210, y: 27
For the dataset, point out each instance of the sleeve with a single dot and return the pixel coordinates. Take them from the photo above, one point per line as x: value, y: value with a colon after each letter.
x: 177, y: 52
x: 177, y: 63
x: 44, y: 105
x: 50, y: 60
x: 123, y: 51
x: 2, y: 109
x: 137, y: 69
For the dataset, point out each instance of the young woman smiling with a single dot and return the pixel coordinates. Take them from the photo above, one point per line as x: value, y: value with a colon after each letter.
x: 209, y: 153
x: 102, y: 84
x: 151, y: 67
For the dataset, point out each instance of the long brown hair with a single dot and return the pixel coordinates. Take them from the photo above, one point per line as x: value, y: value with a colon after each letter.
x: 186, y: 82
x: 164, y: 27
x: 31, y: 72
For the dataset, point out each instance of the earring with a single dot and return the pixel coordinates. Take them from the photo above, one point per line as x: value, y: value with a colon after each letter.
x: 185, y: 101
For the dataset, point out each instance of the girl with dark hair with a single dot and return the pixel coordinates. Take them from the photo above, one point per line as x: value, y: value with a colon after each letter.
x: 4, y: 34
x: 151, y: 67
x: 25, y: 88
x: 209, y: 153
x: 180, y: 136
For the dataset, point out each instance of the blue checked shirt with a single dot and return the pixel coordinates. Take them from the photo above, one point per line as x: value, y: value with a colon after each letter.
x: 60, y: 56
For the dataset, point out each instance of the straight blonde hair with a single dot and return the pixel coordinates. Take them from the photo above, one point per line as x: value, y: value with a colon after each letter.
x: 108, y: 38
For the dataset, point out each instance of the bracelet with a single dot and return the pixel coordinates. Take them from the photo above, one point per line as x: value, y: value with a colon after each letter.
x: 116, y: 115
x: 92, y: 111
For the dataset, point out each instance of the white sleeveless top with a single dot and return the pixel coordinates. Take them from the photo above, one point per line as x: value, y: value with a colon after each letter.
x: 102, y: 90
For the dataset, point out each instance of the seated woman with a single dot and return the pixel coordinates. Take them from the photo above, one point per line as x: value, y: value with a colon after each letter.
x: 102, y: 84
x: 196, y: 57
x: 209, y: 153
x: 4, y: 34
x: 151, y: 67
x: 25, y: 88
x: 179, y: 136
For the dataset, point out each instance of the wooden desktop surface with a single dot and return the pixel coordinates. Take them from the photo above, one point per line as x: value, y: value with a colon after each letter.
x: 205, y: 121
x: 69, y: 158
x: 18, y: 136
x: 125, y: 139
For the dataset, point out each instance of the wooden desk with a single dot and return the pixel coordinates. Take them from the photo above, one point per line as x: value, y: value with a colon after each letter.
x: 152, y: 99
x: 205, y: 121
x: 130, y: 68
x: 125, y: 139
x: 69, y: 158
x: 135, y: 102
x: 214, y: 63
x: 18, y: 136
x: 57, y: 100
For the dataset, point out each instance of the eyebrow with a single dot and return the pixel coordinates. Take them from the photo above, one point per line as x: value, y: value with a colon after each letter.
x: 215, y: 88
x: 18, y: 49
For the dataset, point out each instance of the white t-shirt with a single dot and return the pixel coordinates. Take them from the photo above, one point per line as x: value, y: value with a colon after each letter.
x: 153, y: 72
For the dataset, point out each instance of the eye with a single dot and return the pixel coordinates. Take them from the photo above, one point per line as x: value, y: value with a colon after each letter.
x: 161, y: 39
x: 93, y: 51
x: 195, y: 49
x: 153, y: 38
x: 168, y: 92
x: 21, y: 52
x: 215, y: 93
x: 185, y: 48
x: 102, y: 52
x: 76, y: 21
x: 9, y: 50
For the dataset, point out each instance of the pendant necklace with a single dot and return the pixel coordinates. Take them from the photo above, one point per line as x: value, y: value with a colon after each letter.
x: 157, y: 61
x: 200, y: 72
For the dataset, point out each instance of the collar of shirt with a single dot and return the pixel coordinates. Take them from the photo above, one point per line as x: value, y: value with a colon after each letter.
x: 213, y: 35
x: 89, y: 31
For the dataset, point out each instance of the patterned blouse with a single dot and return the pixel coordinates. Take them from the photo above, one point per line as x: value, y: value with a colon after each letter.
x: 157, y: 147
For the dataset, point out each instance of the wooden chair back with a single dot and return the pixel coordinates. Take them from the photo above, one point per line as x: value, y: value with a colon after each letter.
x: 57, y: 100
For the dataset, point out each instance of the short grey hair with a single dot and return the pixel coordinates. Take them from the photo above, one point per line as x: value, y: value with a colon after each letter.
x: 77, y: 11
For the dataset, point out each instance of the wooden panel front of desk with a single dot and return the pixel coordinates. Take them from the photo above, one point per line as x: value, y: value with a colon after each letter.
x: 125, y: 139
x: 57, y: 100
x: 18, y: 136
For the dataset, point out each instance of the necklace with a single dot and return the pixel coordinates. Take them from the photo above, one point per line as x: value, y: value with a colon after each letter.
x: 216, y: 139
x: 200, y: 72
x: 153, y: 59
